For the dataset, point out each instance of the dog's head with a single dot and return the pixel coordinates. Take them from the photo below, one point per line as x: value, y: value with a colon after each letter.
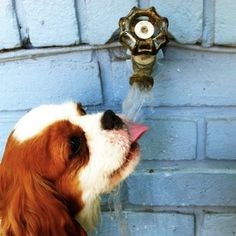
x: 74, y: 156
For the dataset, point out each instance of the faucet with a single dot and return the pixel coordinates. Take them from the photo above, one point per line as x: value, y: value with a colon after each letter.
x: 144, y: 32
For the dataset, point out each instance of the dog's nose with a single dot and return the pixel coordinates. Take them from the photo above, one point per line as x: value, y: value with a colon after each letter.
x: 111, y: 121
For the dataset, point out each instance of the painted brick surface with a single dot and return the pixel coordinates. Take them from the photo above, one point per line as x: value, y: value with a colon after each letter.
x: 7, y: 123
x: 186, y: 183
x: 51, y: 23
x: 120, y: 81
x: 221, y: 136
x: 9, y: 34
x: 169, y: 139
x: 185, y: 18
x: 225, y: 26
x: 195, y: 78
x: 108, y: 226
x: 186, y: 78
x: 169, y: 179
x: 161, y: 224
x: 183, y: 188
x: 219, y: 225
x: 49, y: 80
x: 149, y: 224
x: 100, y: 18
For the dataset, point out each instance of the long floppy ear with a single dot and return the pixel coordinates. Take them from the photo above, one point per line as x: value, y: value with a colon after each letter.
x: 30, y: 206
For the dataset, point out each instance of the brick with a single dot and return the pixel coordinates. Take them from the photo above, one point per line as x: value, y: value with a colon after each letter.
x: 108, y: 226
x: 195, y: 78
x: 49, y: 80
x: 120, y: 81
x: 7, y: 123
x: 51, y: 23
x: 225, y: 26
x: 9, y: 33
x: 169, y: 139
x: 221, y: 136
x: 185, y: 18
x: 6, y: 128
x: 185, y: 78
x: 219, y: 225
x: 183, y: 187
x: 149, y: 224
x: 101, y: 18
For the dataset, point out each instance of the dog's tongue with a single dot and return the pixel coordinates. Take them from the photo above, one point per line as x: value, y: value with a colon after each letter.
x: 136, y: 131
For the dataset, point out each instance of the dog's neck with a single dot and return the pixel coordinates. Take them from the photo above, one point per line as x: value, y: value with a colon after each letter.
x: 89, y: 216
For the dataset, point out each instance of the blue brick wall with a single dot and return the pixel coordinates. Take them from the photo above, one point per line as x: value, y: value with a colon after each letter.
x: 185, y: 184
x: 219, y: 224
x: 46, y: 80
x: 169, y: 224
x: 77, y: 21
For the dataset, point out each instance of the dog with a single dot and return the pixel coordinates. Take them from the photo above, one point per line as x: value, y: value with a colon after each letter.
x: 57, y: 162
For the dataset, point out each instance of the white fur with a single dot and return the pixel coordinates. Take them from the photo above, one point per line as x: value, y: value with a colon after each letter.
x: 108, y: 150
x: 90, y: 214
x: 35, y: 121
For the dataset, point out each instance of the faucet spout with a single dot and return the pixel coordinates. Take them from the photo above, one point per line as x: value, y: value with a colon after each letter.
x: 142, y: 70
x: 143, y: 32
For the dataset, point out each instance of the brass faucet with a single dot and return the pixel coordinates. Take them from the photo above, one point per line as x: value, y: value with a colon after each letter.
x: 143, y: 32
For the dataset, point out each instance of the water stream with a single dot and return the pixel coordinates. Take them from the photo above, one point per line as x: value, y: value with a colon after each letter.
x: 134, y: 102
x: 131, y: 108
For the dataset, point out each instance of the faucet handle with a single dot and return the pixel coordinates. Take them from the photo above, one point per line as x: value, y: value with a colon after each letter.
x: 143, y: 31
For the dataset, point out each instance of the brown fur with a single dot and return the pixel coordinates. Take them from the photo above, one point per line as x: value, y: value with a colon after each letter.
x: 38, y: 192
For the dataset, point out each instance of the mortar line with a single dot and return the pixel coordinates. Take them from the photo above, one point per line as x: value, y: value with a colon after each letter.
x: 22, y: 24
x: 77, y: 20
x: 193, y: 112
x: 208, y: 23
x: 199, y: 220
x: 104, y: 60
x: 201, y: 139
x: 101, y: 75
x: 22, y: 54
x: 17, y: 19
x: 186, y: 210
x: 205, y: 138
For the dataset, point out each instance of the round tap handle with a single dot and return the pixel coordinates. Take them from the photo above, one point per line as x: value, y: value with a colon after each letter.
x: 143, y: 31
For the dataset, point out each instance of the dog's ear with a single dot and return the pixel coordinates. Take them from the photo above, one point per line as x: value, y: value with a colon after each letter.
x: 11, y: 200
x: 29, y: 202
x: 30, y: 205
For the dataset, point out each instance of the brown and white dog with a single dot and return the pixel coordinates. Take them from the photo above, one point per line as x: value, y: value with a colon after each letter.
x: 57, y: 162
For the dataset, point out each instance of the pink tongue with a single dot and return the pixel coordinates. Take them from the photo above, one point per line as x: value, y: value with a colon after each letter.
x: 136, y: 131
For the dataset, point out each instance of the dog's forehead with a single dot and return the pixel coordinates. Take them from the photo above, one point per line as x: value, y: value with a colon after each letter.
x: 41, y: 117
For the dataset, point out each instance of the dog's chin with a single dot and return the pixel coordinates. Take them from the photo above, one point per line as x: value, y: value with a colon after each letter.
x: 127, y: 167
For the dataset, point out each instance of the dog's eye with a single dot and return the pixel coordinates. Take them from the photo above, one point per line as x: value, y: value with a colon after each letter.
x: 75, y: 144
